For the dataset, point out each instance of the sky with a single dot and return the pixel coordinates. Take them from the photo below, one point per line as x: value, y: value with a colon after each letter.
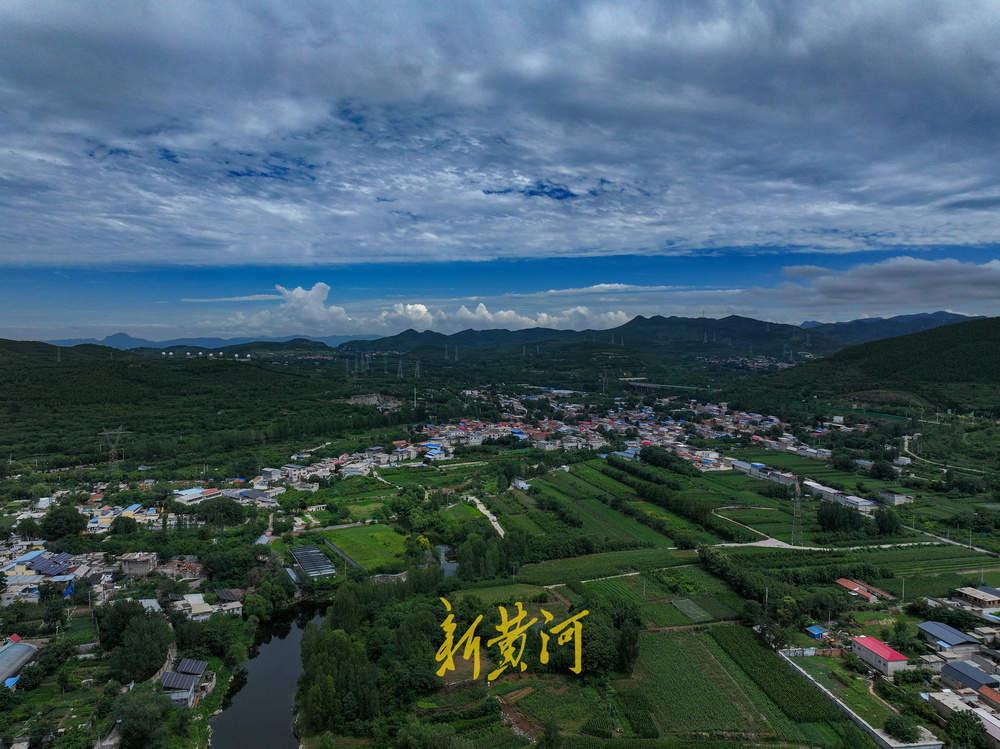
x: 275, y: 168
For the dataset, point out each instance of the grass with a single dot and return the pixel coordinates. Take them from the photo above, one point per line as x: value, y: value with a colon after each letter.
x: 856, y: 695
x: 371, y: 546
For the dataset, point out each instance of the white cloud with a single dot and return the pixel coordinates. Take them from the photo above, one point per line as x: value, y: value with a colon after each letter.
x: 248, y: 298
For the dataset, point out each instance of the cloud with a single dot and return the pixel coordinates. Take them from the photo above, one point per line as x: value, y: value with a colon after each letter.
x: 248, y: 298
x: 262, y: 133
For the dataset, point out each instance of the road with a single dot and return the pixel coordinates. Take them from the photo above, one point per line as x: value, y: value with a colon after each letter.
x: 489, y: 515
x: 906, y: 449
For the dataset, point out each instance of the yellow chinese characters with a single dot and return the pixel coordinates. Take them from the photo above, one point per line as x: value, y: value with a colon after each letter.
x: 511, y: 640
x: 449, y: 647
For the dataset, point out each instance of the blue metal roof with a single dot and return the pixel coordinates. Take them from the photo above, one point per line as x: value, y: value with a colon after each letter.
x: 969, y: 675
x: 132, y: 508
x: 945, y: 634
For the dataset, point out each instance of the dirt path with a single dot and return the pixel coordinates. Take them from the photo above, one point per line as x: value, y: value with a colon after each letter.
x: 559, y: 596
x: 906, y: 449
x: 489, y: 515
x: 520, y: 723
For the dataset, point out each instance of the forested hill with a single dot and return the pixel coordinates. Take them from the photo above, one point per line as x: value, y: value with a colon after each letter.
x: 876, y: 328
x: 950, y: 366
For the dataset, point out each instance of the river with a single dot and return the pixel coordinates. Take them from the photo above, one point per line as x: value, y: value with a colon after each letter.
x: 258, y: 708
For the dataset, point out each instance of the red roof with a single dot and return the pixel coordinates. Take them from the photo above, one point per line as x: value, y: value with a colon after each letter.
x: 880, y: 648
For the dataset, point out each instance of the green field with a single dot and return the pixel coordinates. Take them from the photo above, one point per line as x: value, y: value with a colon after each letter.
x: 690, y: 688
x: 501, y: 593
x: 601, y: 565
x: 372, y: 546
x: 855, y: 694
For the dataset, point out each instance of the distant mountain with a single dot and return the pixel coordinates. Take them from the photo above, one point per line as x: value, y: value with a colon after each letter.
x: 410, y: 339
x: 876, y: 328
x: 124, y: 341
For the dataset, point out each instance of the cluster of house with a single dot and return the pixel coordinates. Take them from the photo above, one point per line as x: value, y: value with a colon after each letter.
x: 966, y: 664
x: 862, y: 505
x: 26, y: 565
x: 196, y: 608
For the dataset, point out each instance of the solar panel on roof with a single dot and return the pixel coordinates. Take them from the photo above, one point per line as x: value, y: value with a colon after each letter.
x: 192, y: 666
x: 172, y: 680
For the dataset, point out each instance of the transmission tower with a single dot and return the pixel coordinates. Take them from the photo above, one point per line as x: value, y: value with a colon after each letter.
x: 797, y: 516
x: 416, y: 369
x: 399, y: 372
x: 114, y: 437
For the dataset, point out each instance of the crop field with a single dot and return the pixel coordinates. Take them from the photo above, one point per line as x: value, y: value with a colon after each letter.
x: 690, y: 689
x: 623, y: 524
x: 676, y: 522
x: 599, y: 520
x: 789, y: 691
x: 774, y: 522
x: 519, y: 520
x: 609, y: 563
x: 941, y: 584
x: 692, y: 610
x: 663, y: 615
x: 615, y: 588
x: 502, y: 593
x: 427, y: 477
x: 371, y: 546
x: 598, y: 480
x: 571, y: 708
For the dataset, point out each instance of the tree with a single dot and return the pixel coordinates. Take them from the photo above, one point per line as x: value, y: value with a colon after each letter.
x: 123, y: 526
x: 29, y: 529
x: 61, y: 521
x: 887, y: 522
x: 902, y: 728
x: 965, y: 731
x: 142, y: 713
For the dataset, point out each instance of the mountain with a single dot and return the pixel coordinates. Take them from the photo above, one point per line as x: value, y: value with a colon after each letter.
x: 124, y: 341
x: 410, y: 340
x: 876, y: 328
x: 951, y: 366
x: 742, y: 335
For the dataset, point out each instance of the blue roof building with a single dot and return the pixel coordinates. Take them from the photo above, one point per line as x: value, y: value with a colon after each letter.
x: 966, y: 674
x: 945, y: 636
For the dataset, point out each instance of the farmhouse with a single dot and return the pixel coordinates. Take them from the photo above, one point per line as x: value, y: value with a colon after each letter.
x: 889, y: 497
x: 942, y: 637
x: 965, y: 674
x: 878, y: 655
x: 983, y: 597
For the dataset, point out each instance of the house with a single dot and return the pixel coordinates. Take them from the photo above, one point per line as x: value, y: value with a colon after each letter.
x: 943, y: 637
x: 138, y: 562
x: 982, y: 597
x: 878, y: 655
x: 179, y: 687
x: 871, y: 594
x: 14, y: 656
x: 964, y: 674
x: 889, y: 497
x: 271, y: 474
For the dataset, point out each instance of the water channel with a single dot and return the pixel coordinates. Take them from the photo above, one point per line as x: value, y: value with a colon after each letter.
x: 258, y: 707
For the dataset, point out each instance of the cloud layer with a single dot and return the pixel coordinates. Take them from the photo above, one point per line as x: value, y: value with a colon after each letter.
x: 233, y: 133
x: 899, y: 285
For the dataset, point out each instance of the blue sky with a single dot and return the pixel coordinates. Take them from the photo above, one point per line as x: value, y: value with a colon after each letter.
x: 275, y: 168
